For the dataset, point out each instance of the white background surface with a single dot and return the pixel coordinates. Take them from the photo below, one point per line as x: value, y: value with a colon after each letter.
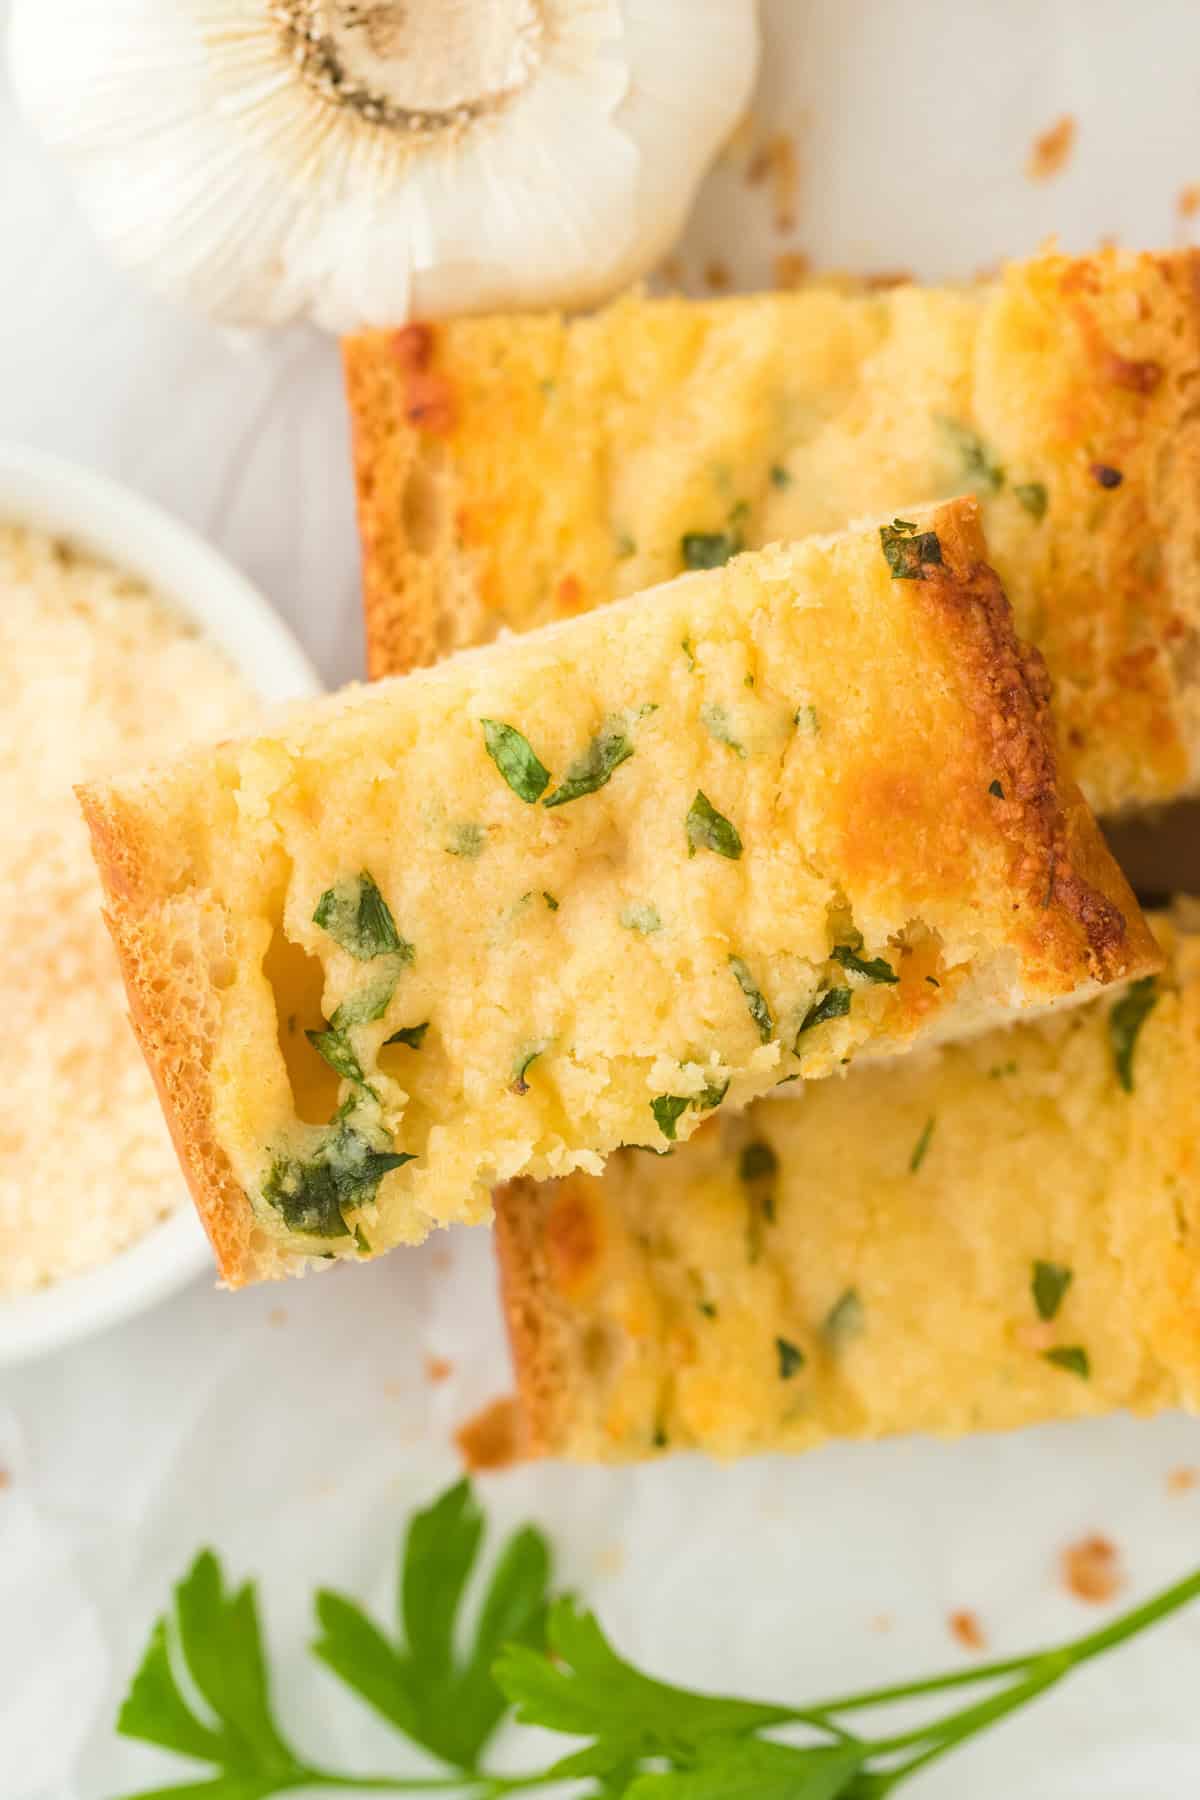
x: 294, y: 1428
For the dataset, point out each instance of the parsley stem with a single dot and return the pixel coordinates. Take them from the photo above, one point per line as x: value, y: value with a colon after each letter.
x: 387, y: 1784
x: 1065, y: 1656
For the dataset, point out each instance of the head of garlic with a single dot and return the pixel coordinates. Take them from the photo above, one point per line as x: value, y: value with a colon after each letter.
x: 357, y: 162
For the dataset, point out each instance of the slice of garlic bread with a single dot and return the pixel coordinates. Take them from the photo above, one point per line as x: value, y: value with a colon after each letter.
x: 575, y: 889
x: 995, y: 1233
x: 514, y: 470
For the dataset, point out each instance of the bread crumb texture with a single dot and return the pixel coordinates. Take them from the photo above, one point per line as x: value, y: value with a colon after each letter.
x: 573, y: 890
x: 96, y: 673
x: 794, y: 1278
x: 1091, y: 1569
x: 511, y: 470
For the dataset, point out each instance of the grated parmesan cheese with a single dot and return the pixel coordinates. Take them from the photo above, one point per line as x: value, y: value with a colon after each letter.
x: 96, y: 673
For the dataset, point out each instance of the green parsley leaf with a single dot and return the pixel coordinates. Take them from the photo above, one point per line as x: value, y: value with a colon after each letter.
x: 446, y: 1680
x: 1033, y: 497
x: 908, y: 556
x: 874, y: 970
x: 760, y: 1012
x: 412, y: 1035
x: 551, y: 902
x: 366, y: 1006
x: 707, y: 829
x: 1072, y: 1357
x: 446, y: 1702
x: 595, y: 768
x: 996, y: 790
x: 757, y: 1161
x: 707, y: 1308
x: 710, y: 1096
x: 585, y: 1688
x: 667, y: 1110
x: 338, y: 1052
x: 846, y: 1319
x: 833, y: 1004
x: 217, y: 1635
x: 1050, y: 1283
x: 716, y: 721
x: 514, y: 756
x: 1125, y: 1021
x: 791, y: 1358
x: 685, y: 644
x: 779, y: 476
x: 921, y: 1147
x: 980, y: 468
x: 807, y: 722
x: 356, y: 916
x: 624, y: 547
x: 344, y: 1172
x: 640, y: 917
x: 709, y: 549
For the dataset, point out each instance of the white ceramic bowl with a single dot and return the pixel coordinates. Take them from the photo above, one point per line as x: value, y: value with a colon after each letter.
x: 94, y: 512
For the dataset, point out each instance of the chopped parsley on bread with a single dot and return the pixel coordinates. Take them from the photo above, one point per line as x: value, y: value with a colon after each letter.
x: 994, y: 1233
x: 581, y: 888
x: 514, y: 470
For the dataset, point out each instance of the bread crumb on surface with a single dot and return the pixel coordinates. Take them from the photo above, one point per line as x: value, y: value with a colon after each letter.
x: 883, y: 279
x: 96, y: 674
x: 882, y: 1622
x: 717, y: 275
x: 1182, y: 1481
x: 438, y: 1368
x: 791, y: 267
x: 966, y: 1629
x: 5, y: 1480
x: 492, y: 1438
x: 1187, y: 200
x: 1091, y: 1569
x: 776, y: 164
x: 1051, y: 150
x: 277, y: 1316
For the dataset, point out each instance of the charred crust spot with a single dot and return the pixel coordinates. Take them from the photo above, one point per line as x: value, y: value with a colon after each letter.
x: 412, y: 346
x: 428, y: 398
x: 429, y: 402
x: 1126, y: 372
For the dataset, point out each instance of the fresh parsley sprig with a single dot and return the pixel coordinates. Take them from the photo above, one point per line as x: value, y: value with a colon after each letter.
x: 202, y: 1691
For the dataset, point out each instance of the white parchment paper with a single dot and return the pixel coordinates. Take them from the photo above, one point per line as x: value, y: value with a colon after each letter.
x: 295, y: 1428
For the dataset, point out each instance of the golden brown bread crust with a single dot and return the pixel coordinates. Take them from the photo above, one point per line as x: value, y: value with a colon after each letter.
x: 1086, y: 903
x: 392, y: 376
x: 172, y: 1020
x: 537, y: 1328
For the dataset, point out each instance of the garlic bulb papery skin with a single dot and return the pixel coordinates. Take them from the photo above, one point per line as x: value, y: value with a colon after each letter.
x: 357, y: 163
